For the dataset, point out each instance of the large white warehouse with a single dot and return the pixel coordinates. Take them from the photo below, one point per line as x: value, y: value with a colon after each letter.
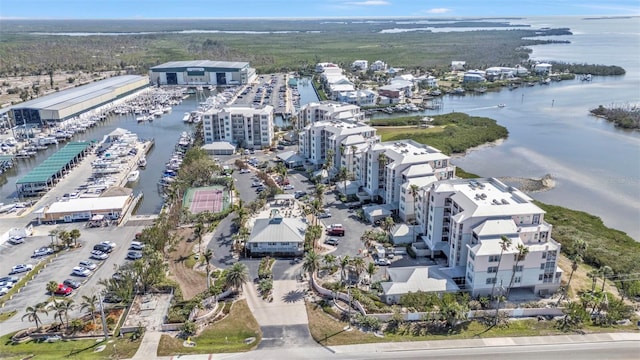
x: 202, y: 72
x: 68, y: 103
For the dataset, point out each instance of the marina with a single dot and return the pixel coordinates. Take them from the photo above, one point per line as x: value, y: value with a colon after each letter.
x: 167, y: 129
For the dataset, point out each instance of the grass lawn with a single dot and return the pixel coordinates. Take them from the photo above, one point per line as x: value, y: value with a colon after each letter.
x: 74, y: 349
x: 391, y: 133
x: 7, y: 315
x: 226, y: 335
x: 328, y: 331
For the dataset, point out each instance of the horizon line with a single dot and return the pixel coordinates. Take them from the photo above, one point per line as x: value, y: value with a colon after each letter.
x: 332, y: 17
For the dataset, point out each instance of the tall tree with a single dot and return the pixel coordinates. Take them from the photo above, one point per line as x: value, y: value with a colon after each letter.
x: 319, y: 192
x: 32, y: 313
x: 236, y: 276
x: 343, y: 175
x: 197, y: 232
x: 505, y: 244
x: 329, y: 260
x: 605, y: 272
x: 579, y: 248
x: 413, y: 191
x: 311, y: 262
x: 387, y: 225
x: 344, y: 262
x: 74, y: 235
x: 52, y: 286
x: 520, y: 256
x: 208, y: 255
x: 90, y: 302
x: 359, y: 266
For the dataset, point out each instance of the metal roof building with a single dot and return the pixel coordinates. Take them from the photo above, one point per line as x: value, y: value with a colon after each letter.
x: 202, y: 72
x: 69, y: 103
x: 44, y: 176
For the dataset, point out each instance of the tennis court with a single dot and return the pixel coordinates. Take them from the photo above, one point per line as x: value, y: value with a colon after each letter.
x: 211, y: 198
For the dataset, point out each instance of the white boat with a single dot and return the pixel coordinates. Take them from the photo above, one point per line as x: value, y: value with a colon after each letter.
x: 133, y: 176
x: 186, y: 117
x: 501, y: 105
x: 142, y: 162
x: 142, y: 118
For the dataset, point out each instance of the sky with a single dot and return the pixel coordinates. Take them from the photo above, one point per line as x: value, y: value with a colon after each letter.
x: 159, y: 9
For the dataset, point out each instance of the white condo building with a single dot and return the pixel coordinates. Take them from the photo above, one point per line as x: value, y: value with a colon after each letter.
x: 341, y: 136
x: 328, y: 111
x: 465, y: 220
x: 388, y: 167
x: 248, y: 127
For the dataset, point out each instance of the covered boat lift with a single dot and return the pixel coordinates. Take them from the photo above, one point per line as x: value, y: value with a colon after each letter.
x: 44, y: 176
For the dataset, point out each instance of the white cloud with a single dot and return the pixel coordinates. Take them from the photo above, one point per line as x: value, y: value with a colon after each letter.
x: 438, y: 11
x: 368, y: 3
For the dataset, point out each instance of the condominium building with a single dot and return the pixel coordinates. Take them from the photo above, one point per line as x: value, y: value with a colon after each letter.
x: 328, y: 111
x: 345, y: 138
x: 248, y: 127
x: 467, y: 222
x: 387, y: 166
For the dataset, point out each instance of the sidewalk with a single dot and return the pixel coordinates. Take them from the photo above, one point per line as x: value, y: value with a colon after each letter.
x: 488, y: 342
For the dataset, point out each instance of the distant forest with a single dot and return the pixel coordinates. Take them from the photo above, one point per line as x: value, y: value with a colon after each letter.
x: 27, y: 48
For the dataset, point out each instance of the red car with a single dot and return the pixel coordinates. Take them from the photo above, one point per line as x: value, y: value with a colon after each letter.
x: 63, y: 290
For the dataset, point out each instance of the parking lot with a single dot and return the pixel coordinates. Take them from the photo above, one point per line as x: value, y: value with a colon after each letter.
x: 62, y: 263
x: 266, y: 90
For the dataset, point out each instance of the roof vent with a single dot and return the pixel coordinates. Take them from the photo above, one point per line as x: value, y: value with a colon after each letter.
x: 505, y: 202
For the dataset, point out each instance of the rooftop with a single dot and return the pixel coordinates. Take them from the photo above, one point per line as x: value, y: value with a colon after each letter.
x: 202, y: 63
x: 76, y: 95
x: 278, y: 229
x: 413, y: 279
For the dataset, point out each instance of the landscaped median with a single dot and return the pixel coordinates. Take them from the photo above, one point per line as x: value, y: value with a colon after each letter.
x: 237, y: 332
x: 25, y: 279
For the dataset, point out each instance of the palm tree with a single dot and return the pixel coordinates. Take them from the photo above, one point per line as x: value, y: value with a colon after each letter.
x: 197, y: 232
x: 208, y: 255
x: 520, y: 256
x: 54, y: 235
x: 74, y: 235
x: 236, y: 276
x: 359, y: 266
x: 605, y: 271
x: 319, y: 192
x: 505, y: 244
x: 329, y: 260
x: 344, y: 262
x: 343, y: 175
x: 382, y: 163
x: 413, y: 191
x: 387, y: 225
x: 90, y: 302
x: 311, y: 262
x: 371, y: 270
x: 579, y: 246
x: 62, y: 308
x: 52, y: 286
x: 353, y: 153
x: 33, y: 311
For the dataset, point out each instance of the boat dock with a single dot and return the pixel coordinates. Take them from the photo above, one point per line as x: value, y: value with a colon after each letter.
x: 44, y: 176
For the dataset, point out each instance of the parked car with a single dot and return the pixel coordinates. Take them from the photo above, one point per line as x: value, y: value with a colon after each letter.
x: 245, y: 171
x: 335, y: 230
x: 112, y: 298
x: 382, y: 262
x: 74, y: 284
x: 288, y: 187
x: 256, y: 184
x: 88, y: 265
x: 80, y: 271
x: 15, y: 240
x: 298, y: 194
x: 324, y: 215
x: 99, y: 255
x: 110, y: 244
x: 134, y: 255
x: 8, y: 281
x: 331, y: 241
x: 103, y: 248
x: 63, y: 290
x: 20, y: 268
x: 295, y: 261
x: 136, y: 245
x: 43, y: 251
